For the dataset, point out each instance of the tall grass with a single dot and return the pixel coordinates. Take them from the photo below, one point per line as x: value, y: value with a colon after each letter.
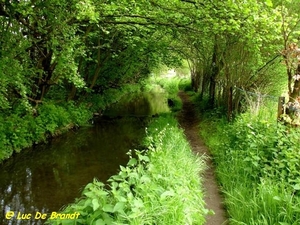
x: 160, y: 185
x: 258, y: 164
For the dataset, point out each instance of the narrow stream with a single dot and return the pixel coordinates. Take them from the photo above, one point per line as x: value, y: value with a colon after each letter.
x: 49, y: 176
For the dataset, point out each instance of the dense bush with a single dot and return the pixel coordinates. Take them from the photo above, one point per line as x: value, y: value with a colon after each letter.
x: 160, y: 185
x: 268, y: 149
x: 18, y: 132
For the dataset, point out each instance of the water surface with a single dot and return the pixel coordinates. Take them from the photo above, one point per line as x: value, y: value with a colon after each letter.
x: 47, y: 177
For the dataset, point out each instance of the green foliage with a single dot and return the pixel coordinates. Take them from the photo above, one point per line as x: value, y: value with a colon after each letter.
x: 185, y: 85
x: 258, y: 168
x: 90, y: 46
x: 55, y: 117
x: 267, y: 149
x: 18, y: 132
x: 172, y: 87
x: 160, y: 185
x: 88, y: 49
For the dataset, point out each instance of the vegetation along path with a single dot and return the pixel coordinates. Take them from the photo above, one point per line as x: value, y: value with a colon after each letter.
x: 189, y: 122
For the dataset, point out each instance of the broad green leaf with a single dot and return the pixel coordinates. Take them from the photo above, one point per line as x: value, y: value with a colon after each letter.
x: 108, y: 208
x: 144, y: 158
x: 145, y: 179
x: 87, y: 203
x: 277, y: 198
x: 132, y: 162
x: 269, y: 3
x: 119, y: 207
x: 95, y: 204
x: 138, y: 203
x: 296, y: 187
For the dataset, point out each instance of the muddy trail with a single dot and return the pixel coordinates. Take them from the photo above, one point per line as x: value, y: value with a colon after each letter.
x: 189, y: 122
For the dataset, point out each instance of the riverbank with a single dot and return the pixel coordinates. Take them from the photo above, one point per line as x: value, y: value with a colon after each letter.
x: 48, y: 176
x: 20, y: 130
x: 160, y: 186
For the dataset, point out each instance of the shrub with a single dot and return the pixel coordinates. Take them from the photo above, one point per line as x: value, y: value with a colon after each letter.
x: 18, y: 132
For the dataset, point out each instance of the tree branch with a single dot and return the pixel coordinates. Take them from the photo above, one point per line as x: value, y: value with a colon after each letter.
x: 267, y: 63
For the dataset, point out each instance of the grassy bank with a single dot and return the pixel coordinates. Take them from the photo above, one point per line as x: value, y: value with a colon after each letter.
x: 160, y: 185
x: 258, y: 164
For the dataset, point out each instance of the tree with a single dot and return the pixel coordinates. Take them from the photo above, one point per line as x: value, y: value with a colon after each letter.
x: 46, y: 49
x: 79, y: 47
x: 290, y: 30
x: 239, y: 38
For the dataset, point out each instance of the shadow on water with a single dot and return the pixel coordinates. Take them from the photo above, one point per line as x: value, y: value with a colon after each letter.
x: 47, y: 177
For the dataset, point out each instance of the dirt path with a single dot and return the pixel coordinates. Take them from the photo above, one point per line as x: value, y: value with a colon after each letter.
x: 189, y: 122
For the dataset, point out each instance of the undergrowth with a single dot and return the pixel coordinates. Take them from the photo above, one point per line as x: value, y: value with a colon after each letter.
x: 160, y: 185
x: 258, y: 167
x: 18, y: 132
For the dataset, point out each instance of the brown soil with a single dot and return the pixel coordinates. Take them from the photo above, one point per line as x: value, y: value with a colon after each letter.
x: 189, y: 121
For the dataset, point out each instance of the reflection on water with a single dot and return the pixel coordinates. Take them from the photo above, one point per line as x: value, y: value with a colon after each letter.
x: 149, y: 103
x: 46, y: 177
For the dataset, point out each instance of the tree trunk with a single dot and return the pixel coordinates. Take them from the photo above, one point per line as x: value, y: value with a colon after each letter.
x: 229, y: 104
x: 97, y: 71
x: 296, y: 88
x: 212, y: 79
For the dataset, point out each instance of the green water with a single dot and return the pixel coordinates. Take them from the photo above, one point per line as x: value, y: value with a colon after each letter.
x: 46, y: 177
x: 148, y: 104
